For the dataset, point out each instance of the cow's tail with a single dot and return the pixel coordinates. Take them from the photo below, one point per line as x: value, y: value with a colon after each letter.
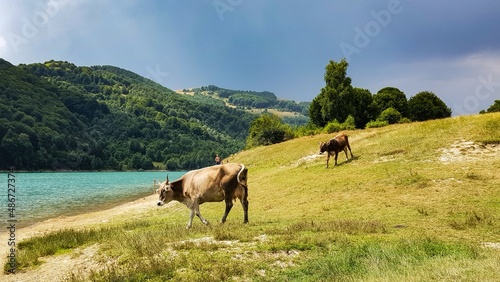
x: 243, y: 193
x: 238, y: 177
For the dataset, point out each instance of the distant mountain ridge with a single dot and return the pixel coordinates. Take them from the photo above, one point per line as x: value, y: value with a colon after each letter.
x: 56, y: 115
x: 292, y: 112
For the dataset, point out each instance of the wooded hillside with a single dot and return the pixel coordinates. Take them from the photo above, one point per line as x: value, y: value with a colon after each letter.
x: 57, y: 115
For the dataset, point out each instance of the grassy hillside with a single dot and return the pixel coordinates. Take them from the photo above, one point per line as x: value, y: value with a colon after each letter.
x: 419, y: 202
x: 425, y: 173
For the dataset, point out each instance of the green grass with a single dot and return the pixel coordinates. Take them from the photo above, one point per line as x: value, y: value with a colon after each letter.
x: 56, y: 242
x: 394, y: 213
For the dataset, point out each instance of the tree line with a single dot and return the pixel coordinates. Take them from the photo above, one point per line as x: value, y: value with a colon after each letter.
x: 340, y: 106
x: 339, y: 99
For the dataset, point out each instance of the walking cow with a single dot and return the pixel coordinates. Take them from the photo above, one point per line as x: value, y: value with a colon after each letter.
x: 334, y: 146
x: 211, y: 184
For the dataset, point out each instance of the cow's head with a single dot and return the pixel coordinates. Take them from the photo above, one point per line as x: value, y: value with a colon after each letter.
x: 165, y: 193
x: 322, y: 147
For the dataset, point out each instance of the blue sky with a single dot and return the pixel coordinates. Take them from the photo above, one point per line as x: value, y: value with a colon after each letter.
x: 451, y: 48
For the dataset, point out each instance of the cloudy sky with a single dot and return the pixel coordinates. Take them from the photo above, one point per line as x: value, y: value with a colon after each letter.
x: 449, y: 47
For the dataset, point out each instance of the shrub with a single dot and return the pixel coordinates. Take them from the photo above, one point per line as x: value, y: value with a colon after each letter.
x: 390, y: 115
x: 268, y: 129
x: 426, y: 105
x: 404, y: 120
x: 376, y: 123
x: 333, y: 126
x: 349, y: 123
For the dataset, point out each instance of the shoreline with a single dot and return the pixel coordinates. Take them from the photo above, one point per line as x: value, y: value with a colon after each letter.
x: 78, y: 221
x: 72, y: 213
x: 46, y: 203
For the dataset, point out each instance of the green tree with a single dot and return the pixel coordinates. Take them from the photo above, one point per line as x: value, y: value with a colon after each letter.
x: 315, y: 116
x: 426, y: 105
x: 335, y: 101
x: 268, y: 129
x: 17, y: 150
x: 391, y: 97
x: 493, y: 108
x: 390, y: 115
x: 364, y: 107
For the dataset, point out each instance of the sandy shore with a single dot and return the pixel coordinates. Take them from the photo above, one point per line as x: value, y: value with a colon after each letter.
x: 47, y: 271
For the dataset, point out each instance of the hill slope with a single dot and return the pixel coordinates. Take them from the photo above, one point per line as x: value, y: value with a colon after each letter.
x: 419, y: 202
x: 398, y: 170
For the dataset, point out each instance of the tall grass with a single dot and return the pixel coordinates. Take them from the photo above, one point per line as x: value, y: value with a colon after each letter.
x: 351, y: 261
x: 395, y: 212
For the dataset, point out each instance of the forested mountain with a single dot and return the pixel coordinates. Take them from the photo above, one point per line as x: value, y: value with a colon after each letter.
x: 57, y: 115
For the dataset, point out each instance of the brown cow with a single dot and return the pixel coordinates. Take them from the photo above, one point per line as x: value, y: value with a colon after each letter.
x: 211, y: 184
x: 334, y: 146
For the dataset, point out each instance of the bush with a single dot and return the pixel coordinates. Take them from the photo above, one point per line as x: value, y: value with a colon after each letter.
x: 390, y: 115
x: 268, y: 129
x: 376, y: 123
x: 349, y: 123
x: 405, y: 120
x: 332, y: 126
x: 335, y: 126
x: 426, y: 105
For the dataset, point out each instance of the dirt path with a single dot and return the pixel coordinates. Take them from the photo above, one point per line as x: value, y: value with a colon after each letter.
x: 57, y: 267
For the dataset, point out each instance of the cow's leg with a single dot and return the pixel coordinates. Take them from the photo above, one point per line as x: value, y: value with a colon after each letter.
x: 336, y: 155
x: 229, y: 206
x: 327, y: 158
x: 345, y: 151
x: 195, y: 209
x: 349, y: 147
x: 191, y: 216
x: 244, y: 204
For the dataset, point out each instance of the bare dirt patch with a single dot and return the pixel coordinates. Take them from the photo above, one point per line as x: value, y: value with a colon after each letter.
x: 468, y: 151
x: 308, y: 159
x: 57, y: 268
x: 492, y: 245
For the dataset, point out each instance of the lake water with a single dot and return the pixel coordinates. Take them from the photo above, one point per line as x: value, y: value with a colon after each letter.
x: 43, y: 195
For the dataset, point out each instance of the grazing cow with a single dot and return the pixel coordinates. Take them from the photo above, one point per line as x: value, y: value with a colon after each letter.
x: 334, y: 146
x: 211, y: 184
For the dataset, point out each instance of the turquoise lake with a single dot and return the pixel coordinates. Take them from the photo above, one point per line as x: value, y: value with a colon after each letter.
x: 44, y: 195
